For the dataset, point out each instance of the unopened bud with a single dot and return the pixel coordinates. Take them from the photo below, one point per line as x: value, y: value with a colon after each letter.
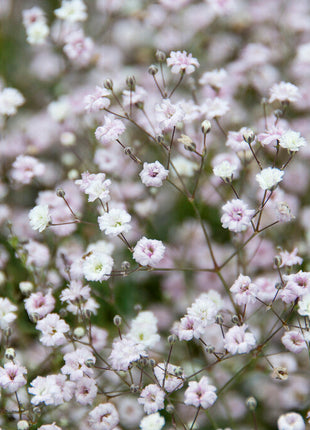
x: 90, y: 362
x: 60, y: 192
x: 160, y: 56
x: 79, y: 332
x: 210, y: 349
x: 117, y: 320
x: 153, y: 70
x: 160, y: 138
x: 178, y: 371
x: 143, y: 361
x: 37, y: 410
x: 219, y: 319
x: 185, y: 140
x: 278, y: 113
x: 128, y: 150
x: 278, y: 286
x: 251, y: 403
x: 170, y: 409
x: 152, y: 362
x: 10, y: 353
x: 277, y: 261
x: 34, y: 317
x: 137, y: 307
x: 235, y: 319
x: 22, y: 425
x: 172, y: 339
x: 134, y: 388
x: 206, y: 126
x: 108, y: 84
x: 26, y: 287
x: 249, y: 136
x: 131, y: 83
x: 125, y: 266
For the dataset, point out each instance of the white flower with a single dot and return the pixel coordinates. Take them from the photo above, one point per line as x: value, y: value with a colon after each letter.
x: 152, y: 422
x: 304, y: 305
x: 214, y: 108
x: 292, y: 141
x: 269, y: 178
x: 39, y: 217
x: 144, y: 329
x: 183, y: 166
x: 215, y: 78
x: 10, y: 100
x: 291, y: 421
x: 115, y: 222
x: 225, y: 170
x: 97, y: 267
x: 37, y: 33
x: 72, y: 11
x: 7, y: 314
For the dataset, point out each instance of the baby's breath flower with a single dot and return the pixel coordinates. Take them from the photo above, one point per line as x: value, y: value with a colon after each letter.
x: 39, y: 217
x: 181, y: 62
x: 269, y: 178
x: 292, y: 141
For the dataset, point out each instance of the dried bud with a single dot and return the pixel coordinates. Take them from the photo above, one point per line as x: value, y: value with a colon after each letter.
x: 249, y: 136
x: 280, y: 373
x: 117, y: 320
x: 172, y: 339
x: 251, y: 403
x: 189, y: 145
x: 108, y: 84
x: 160, y: 56
x: 153, y: 70
x: 10, y: 353
x: 60, y: 192
x: 206, y: 126
x: 131, y: 83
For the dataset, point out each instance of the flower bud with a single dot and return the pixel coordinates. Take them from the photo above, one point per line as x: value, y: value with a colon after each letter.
x: 235, y: 319
x: 22, y: 425
x: 178, y: 371
x: 251, y: 403
x: 60, y: 192
x: 152, y: 362
x: 125, y: 266
x: 160, y: 56
x: 79, y: 332
x: 278, y: 286
x: 206, y: 126
x: 249, y: 136
x: 160, y: 138
x: 210, y: 349
x: 134, y: 388
x: 278, y: 113
x: 277, y: 260
x: 90, y: 362
x: 172, y: 339
x: 219, y: 319
x: 143, y: 361
x: 108, y: 84
x: 170, y: 409
x: 153, y: 70
x: 10, y: 353
x: 137, y: 307
x: 131, y: 83
x: 189, y: 145
x: 26, y: 287
x: 117, y: 320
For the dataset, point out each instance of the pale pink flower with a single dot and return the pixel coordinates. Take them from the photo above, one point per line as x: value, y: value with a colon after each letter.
x: 165, y: 375
x: 114, y: 222
x: 284, y: 92
x: 266, y: 290
x: 51, y: 390
x: 72, y: 11
x: 186, y: 328
x: 103, y: 417
x: 39, y: 305
x: 290, y: 258
x: 236, y: 216
x: 107, y: 159
x: 294, y: 341
x: 96, y: 186
x: 12, y: 376
x: 25, y: 168
x: 153, y: 174
x: 237, y: 341
x: 296, y: 285
x: 181, y: 62
x: 168, y: 115
x: 35, y: 14
x: 53, y: 330
x: 133, y: 97
x: 291, y: 421
x: 85, y: 390
x: 215, y: 107
x: 200, y: 394
x: 49, y: 427
x: 215, y: 78
x: 97, y: 101
x: 143, y: 329
x: 149, y: 252
x: 38, y: 254
x: 244, y: 290
x: 272, y: 135
x: 110, y: 131
x: 76, y: 292
x: 77, y: 364
x: 226, y: 165
x: 124, y: 352
x: 79, y: 48
x: 152, y: 398
x: 7, y: 315
x: 204, y: 311
x: 236, y: 142
x: 292, y: 141
x: 39, y: 217
x: 269, y: 178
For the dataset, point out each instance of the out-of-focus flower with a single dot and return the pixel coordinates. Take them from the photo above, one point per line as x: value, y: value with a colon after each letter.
x: 284, y: 92
x: 72, y: 11
x: 10, y: 100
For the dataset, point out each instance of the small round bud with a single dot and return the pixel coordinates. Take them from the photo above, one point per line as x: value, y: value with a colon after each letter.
x: 137, y: 307
x: 278, y: 113
x: 206, y: 126
x: 143, y: 361
x: 108, y: 84
x: 235, y: 319
x: 251, y: 403
x: 37, y: 410
x: 125, y: 266
x: 62, y: 312
x: 60, y: 192
x: 278, y: 286
x: 67, y: 138
x: 153, y: 70
x: 277, y: 261
x: 34, y: 317
x: 249, y: 136
x: 172, y: 339
x: 134, y: 388
x: 210, y: 349
x: 152, y: 362
x: 90, y: 362
x: 73, y: 174
x: 79, y: 332
x: 131, y: 83
x: 26, y: 287
x: 178, y: 371
x: 160, y: 138
x: 160, y: 56
x: 22, y: 425
x: 170, y: 409
x: 10, y: 353
x: 128, y: 150
x: 117, y: 320
x: 191, y: 147
x: 219, y: 319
